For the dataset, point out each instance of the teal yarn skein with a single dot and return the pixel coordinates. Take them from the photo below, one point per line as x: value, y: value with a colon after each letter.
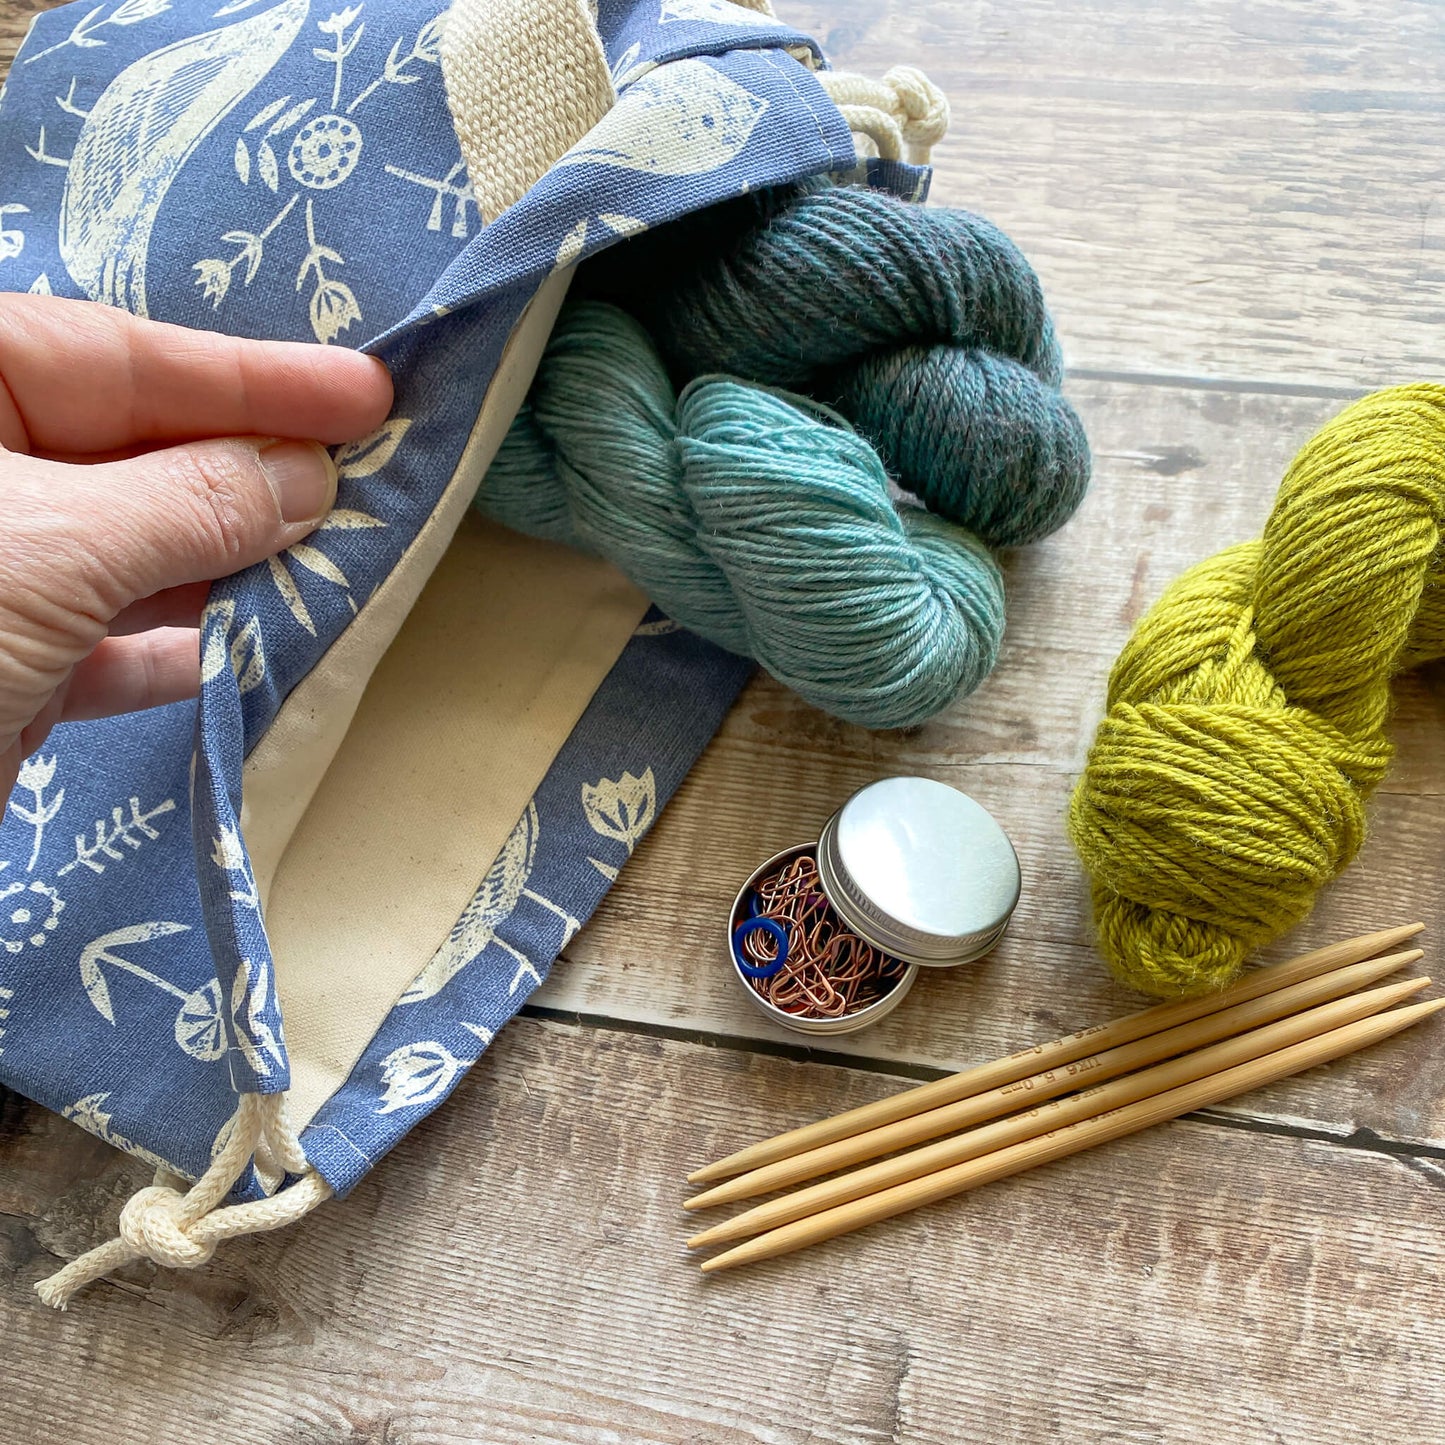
x: 926, y: 327
x: 763, y: 524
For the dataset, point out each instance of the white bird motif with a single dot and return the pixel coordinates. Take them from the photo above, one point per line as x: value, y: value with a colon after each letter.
x: 141, y: 131
x: 681, y: 119
x: 490, y: 905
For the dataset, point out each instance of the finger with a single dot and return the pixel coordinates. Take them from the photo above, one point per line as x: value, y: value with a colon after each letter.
x: 175, y: 607
x: 126, y: 674
x: 10, y: 758
x: 172, y: 517
x: 82, y: 378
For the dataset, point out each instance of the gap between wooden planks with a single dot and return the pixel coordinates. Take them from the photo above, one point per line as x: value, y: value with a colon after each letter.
x: 1190, y: 1283
x: 1286, y: 236
x: 1211, y: 189
x: 1179, y: 473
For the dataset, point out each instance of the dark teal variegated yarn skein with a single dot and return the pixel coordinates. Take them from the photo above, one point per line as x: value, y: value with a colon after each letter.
x: 759, y: 523
x: 925, y: 327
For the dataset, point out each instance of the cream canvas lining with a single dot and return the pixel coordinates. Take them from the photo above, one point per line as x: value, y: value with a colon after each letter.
x: 460, y: 722
x: 371, y: 819
x: 395, y: 770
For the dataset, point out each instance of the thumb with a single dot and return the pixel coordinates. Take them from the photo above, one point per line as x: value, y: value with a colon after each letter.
x: 189, y: 513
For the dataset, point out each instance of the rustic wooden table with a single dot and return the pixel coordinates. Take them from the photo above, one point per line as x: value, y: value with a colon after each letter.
x: 1234, y: 214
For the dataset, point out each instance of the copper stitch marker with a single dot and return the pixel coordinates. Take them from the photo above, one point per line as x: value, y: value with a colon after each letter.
x: 909, y: 873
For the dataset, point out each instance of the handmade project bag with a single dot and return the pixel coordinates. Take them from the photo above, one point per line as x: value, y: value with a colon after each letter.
x: 255, y: 939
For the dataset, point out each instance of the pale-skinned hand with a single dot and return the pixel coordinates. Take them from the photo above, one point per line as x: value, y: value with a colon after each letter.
x: 138, y: 462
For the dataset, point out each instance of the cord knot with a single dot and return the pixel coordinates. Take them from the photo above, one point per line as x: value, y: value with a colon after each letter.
x: 904, y: 114
x: 155, y: 1224
x: 921, y: 102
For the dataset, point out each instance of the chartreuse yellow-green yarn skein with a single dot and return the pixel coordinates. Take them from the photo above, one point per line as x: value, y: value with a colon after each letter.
x: 1246, y: 715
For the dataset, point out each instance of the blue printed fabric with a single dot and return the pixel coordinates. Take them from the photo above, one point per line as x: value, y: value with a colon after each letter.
x: 285, y: 171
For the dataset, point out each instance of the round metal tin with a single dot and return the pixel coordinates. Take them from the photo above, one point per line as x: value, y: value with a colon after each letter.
x: 920, y: 870
x: 847, y: 1023
x: 915, y: 868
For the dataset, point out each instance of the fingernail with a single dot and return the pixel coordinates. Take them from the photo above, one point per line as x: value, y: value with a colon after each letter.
x: 302, y: 478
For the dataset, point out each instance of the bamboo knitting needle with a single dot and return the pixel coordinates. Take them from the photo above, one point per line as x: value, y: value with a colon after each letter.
x: 1093, y: 1068
x: 1074, y: 1137
x: 1053, y: 1055
x: 1057, y: 1113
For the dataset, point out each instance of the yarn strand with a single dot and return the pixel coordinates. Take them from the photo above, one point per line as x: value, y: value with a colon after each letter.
x: 1246, y: 715
x: 760, y: 521
x: 765, y: 520
x: 925, y: 327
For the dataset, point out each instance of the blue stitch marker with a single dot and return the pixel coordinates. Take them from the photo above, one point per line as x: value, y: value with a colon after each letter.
x: 766, y: 925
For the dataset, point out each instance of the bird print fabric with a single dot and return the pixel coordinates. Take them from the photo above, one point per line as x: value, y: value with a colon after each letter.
x: 291, y: 170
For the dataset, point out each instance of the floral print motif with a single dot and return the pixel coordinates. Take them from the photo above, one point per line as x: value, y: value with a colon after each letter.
x: 324, y: 152
x: 262, y: 139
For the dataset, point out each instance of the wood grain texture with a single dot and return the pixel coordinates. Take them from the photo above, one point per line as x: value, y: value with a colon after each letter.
x: 1180, y: 474
x: 514, y: 1275
x: 1216, y: 189
x: 1234, y: 210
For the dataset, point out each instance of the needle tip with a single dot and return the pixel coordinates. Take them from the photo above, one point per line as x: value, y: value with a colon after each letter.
x: 1391, y: 937
x: 718, y: 1194
x: 1404, y: 988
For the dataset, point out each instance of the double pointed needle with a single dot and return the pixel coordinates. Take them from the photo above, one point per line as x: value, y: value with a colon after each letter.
x: 1062, y: 1079
x: 1053, y: 1055
x: 1057, y: 1113
x: 1059, y: 1143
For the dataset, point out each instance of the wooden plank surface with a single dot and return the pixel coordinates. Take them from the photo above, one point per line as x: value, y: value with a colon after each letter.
x: 1180, y: 474
x: 1233, y: 209
x: 1214, y: 188
x: 513, y: 1275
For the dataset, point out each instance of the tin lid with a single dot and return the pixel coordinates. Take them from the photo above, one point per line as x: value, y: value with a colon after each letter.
x: 920, y: 870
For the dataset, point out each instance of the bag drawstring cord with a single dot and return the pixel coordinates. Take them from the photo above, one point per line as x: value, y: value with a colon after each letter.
x: 181, y: 1229
x: 904, y: 115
